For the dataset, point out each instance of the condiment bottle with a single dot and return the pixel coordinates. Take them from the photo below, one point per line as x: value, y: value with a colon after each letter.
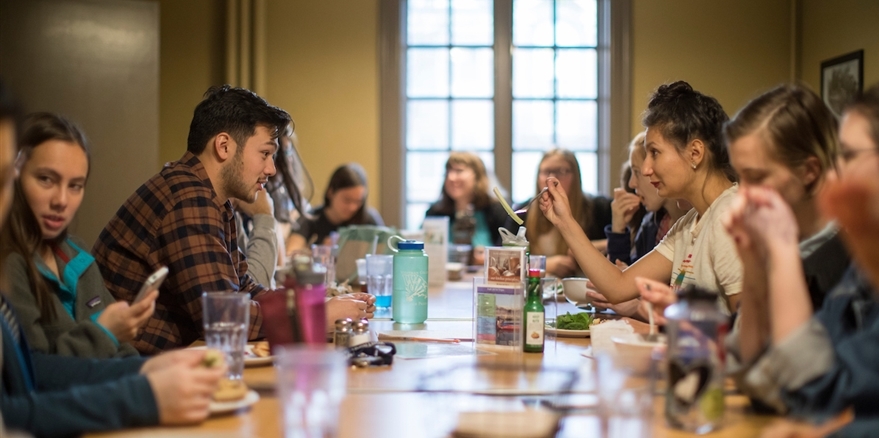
x: 359, y: 333
x: 342, y: 332
x: 534, y: 314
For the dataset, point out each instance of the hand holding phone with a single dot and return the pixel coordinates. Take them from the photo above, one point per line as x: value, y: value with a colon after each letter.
x: 152, y: 283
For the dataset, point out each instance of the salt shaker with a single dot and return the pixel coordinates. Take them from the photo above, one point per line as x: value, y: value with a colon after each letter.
x: 342, y: 333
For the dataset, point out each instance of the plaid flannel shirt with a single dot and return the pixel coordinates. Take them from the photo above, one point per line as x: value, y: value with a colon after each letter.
x: 175, y: 220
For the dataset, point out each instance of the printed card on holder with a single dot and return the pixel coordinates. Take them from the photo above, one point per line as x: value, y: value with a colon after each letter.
x: 498, y: 315
x: 505, y: 265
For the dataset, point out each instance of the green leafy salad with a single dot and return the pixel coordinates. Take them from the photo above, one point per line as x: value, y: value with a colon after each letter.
x: 577, y: 321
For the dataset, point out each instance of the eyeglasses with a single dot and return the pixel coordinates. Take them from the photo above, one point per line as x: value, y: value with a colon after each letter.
x: 558, y: 172
x: 848, y: 156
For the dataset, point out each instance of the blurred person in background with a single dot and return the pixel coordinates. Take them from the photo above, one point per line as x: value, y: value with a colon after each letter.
x: 591, y: 213
x: 344, y: 205
x: 468, y: 201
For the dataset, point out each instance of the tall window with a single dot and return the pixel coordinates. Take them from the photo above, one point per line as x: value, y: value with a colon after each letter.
x: 451, y: 64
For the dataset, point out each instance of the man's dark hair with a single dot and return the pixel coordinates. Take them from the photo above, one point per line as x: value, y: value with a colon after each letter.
x: 236, y: 111
x: 682, y: 114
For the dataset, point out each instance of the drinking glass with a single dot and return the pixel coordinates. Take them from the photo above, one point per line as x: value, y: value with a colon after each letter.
x: 625, y: 400
x: 538, y: 262
x: 226, y: 317
x: 380, y: 278
x: 324, y: 261
x: 550, y: 287
x: 311, y: 385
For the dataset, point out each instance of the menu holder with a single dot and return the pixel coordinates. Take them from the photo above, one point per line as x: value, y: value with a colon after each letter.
x: 497, y: 315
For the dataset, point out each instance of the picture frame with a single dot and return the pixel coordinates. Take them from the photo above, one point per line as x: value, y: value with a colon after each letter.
x: 842, y: 79
x: 505, y: 265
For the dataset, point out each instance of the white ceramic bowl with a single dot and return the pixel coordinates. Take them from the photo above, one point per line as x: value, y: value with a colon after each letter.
x: 575, y: 291
x: 636, y: 353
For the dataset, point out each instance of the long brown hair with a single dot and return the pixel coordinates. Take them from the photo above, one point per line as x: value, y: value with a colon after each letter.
x: 482, y: 196
x: 795, y: 123
x: 344, y: 177
x: 22, y: 234
x: 537, y: 224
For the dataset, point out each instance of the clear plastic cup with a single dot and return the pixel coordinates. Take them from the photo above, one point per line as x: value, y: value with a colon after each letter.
x: 311, y: 386
x: 380, y: 278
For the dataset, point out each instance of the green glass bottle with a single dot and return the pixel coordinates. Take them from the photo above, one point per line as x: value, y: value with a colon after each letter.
x: 533, y: 314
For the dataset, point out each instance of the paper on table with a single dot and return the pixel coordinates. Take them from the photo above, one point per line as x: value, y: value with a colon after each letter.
x: 527, y: 423
x: 602, y: 334
x: 412, y: 350
x: 464, y: 335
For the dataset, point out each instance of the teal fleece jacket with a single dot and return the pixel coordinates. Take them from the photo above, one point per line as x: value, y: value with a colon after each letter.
x: 79, y: 297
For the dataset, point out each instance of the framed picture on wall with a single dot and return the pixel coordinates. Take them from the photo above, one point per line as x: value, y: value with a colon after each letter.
x: 842, y: 78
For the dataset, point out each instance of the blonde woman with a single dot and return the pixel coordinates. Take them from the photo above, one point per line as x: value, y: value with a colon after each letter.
x: 591, y: 213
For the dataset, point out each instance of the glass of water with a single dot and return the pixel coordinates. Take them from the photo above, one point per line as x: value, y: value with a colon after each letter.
x: 380, y: 278
x: 324, y: 261
x: 311, y: 385
x: 226, y: 319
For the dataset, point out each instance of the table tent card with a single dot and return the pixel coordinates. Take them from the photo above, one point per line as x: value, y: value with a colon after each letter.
x: 436, y: 246
x: 497, y: 315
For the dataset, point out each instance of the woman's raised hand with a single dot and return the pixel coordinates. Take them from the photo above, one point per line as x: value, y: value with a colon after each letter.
x: 854, y: 203
x: 554, y: 202
x: 623, y: 208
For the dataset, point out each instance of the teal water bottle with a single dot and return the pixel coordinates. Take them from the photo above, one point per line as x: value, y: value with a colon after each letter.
x: 409, y: 299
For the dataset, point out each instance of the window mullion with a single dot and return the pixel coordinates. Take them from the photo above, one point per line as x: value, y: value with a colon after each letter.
x: 503, y: 92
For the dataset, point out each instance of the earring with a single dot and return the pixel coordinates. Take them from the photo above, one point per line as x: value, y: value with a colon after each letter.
x: 694, y: 165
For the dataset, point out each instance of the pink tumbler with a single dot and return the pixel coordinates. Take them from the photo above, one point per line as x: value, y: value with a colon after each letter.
x: 310, y: 298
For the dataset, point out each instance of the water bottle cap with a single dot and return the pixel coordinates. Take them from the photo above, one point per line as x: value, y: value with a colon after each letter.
x: 410, y: 244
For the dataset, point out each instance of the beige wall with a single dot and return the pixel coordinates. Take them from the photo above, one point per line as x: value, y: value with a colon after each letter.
x: 323, y: 68
x: 731, y: 50
x: 96, y: 62
x: 830, y: 29
x: 323, y: 63
x: 191, y: 59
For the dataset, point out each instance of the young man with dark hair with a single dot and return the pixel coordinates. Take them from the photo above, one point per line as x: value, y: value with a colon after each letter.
x: 182, y: 218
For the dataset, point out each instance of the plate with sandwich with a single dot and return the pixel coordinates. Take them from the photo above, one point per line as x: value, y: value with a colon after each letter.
x: 257, y: 354
x: 230, y: 395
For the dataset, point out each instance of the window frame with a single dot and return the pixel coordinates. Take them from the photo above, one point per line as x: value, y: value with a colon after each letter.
x: 614, y: 97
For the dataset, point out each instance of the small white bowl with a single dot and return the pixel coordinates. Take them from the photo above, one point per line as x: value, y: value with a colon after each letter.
x: 575, y: 291
x: 636, y: 353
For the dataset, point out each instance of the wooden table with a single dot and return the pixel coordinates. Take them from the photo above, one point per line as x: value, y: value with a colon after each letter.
x: 381, y: 402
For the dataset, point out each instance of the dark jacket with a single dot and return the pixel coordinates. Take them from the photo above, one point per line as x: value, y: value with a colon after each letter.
x: 619, y: 245
x: 841, y: 347
x: 495, y: 217
x: 49, y: 396
x: 319, y: 227
x: 78, y: 301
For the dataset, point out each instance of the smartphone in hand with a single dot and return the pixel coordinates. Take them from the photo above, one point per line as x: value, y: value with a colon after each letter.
x: 152, y: 283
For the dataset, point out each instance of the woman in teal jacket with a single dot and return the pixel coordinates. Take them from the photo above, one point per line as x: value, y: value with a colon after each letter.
x: 53, y: 284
